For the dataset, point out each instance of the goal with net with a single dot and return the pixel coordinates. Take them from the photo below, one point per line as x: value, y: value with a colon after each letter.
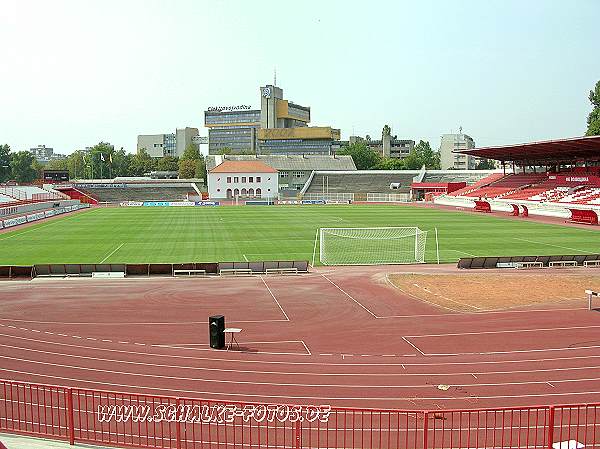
x: 371, y: 246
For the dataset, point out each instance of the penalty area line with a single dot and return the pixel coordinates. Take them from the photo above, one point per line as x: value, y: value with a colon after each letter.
x: 112, y: 252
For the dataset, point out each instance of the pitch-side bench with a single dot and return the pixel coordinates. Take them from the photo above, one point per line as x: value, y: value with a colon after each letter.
x: 235, y: 272
x: 189, y: 272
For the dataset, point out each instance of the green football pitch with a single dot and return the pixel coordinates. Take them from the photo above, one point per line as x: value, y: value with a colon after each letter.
x: 208, y: 234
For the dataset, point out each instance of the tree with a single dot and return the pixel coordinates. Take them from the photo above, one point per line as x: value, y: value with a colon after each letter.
x: 191, y: 152
x: 98, y: 160
x: 21, y: 167
x: 427, y: 157
x: 121, y: 163
x: 593, y: 120
x: 485, y: 164
x: 364, y: 158
x: 76, y: 165
x: 141, y: 163
x: 413, y: 160
x: 57, y: 164
x: 4, y: 162
x: 187, y: 168
x: 167, y: 163
x: 390, y: 163
x: 192, y: 163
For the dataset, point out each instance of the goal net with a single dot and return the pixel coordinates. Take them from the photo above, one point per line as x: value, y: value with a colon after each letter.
x: 372, y: 246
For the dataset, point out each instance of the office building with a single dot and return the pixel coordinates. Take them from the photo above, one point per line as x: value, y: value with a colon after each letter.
x: 278, y: 127
x: 44, y: 154
x: 161, y: 145
x: 453, y: 161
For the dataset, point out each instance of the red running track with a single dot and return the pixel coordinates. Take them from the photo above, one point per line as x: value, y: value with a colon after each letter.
x: 342, y: 337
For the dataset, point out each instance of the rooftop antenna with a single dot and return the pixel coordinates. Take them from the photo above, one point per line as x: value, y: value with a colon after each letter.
x: 275, y: 76
x: 460, y: 130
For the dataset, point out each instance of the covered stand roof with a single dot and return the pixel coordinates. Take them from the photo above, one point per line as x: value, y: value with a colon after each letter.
x: 563, y: 150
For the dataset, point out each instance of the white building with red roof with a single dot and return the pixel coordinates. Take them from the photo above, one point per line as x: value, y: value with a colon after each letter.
x: 243, y: 179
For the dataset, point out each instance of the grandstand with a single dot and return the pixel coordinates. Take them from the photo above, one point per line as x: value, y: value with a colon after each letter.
x: 155, y: 193
x: 364, y: 181
x: 572, y: 182
x: 116, y: 191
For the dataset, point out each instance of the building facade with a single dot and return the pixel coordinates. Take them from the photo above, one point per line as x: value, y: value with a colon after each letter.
x: 162, y: 145
x: 243, y: 179
x: 387, y: 146
x: 453, y: 161
x: 232, y: 128
x: 44, y: 154
x: 293, y: 170
x: 278, y: 127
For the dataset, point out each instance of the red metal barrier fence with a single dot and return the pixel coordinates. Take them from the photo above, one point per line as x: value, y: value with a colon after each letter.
x: 146, y: 421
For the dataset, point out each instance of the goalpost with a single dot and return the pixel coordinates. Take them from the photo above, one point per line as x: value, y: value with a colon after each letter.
x: 371, y: 246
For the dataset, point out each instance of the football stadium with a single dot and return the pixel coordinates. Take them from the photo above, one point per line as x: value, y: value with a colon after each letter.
x: 427, y: 309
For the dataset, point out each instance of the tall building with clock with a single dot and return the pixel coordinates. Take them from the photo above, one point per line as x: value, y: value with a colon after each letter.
x: 279, y: 127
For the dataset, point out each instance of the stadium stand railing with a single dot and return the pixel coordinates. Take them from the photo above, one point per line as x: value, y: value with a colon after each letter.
x: 92, y: 416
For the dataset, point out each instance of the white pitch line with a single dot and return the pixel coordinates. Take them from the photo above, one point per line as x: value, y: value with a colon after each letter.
x: 43, y: 226
x: 273, y: 296
x: 348, y: 295
x: 245, y: 258
x: 550, y: 244
x: 114, y: 251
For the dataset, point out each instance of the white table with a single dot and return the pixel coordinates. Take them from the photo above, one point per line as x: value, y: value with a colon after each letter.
x: 232, y: 331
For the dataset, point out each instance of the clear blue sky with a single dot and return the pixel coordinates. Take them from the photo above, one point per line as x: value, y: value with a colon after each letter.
x: 73, y: 73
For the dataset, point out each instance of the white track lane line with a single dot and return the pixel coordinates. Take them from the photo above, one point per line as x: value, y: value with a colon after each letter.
x: 294, y: 384
x: 303, y: 373
x: 320, y: 398
x: 280, y: 362
x: 452, y: 334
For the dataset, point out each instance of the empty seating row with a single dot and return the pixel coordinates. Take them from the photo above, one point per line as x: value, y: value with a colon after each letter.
x: 365, y: 182
x: 111, y: 195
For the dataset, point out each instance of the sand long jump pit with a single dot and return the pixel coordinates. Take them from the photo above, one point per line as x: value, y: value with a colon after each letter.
x: 484, y: 292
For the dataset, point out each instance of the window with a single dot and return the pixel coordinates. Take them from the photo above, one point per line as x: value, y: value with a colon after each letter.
x: 229, y: 193
x: 229, y: 180
x: 284, y: 174
x: 298, y: 174
x: 251, y: 179
x: 251, y: 192
x: 243, y: 179
x: 258, y: 191
x: 244, y: 192
x: 218, y: 190
x: 236, y: 179
x: 236, y: 193
x: 258, y: 180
